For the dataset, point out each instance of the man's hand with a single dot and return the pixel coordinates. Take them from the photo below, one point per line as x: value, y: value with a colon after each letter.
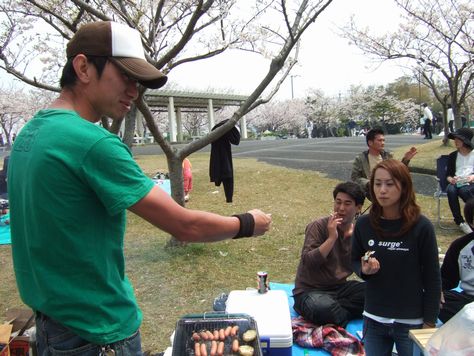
x: 262, y: 221
x: 333, y: 222
x: 410, y: 154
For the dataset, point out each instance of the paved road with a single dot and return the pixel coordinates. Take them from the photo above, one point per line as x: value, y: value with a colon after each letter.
x: 332, y: 156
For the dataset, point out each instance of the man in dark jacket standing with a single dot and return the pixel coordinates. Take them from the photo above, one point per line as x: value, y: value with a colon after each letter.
x: 221, y: 169
x: 367, y: 160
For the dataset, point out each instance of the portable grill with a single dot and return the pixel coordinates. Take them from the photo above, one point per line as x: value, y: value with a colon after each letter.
x: 183, y: 343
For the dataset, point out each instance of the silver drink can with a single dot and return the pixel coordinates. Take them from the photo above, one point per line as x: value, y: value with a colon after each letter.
x: 262, y: 281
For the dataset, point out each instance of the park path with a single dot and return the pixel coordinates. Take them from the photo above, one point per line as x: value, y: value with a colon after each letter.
x: 332, y: 156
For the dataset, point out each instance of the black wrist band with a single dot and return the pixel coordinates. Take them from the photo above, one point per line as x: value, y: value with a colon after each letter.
x: 247, y: 225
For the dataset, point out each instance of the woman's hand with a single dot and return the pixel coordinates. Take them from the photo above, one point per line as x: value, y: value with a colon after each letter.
x: 369, y: 265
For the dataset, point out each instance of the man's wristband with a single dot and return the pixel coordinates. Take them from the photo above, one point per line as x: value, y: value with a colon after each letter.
x: 247, y: 225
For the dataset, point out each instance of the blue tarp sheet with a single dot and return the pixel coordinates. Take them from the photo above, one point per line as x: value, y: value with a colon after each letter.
x: 4, y: 230
x: 353, y: 327
x: 164, y: 184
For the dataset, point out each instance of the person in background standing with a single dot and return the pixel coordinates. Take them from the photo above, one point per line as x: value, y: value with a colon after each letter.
x: 428, y: 118
x: 187, y: 178
x: 309, y: 128
x: 352, y: 128
x: 422, y: 125
x: 450, y: 116
x: 394, y: 250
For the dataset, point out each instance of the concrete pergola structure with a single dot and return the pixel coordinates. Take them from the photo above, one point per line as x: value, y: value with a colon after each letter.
x: 175, y: 102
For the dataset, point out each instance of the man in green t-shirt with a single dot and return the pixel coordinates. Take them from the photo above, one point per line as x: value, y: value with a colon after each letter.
x: 70, y: 184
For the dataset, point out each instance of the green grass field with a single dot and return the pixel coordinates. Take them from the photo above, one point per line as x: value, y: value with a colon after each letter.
x: 171, y: 282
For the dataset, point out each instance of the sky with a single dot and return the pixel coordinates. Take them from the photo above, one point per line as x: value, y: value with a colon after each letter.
x: 326, y: 61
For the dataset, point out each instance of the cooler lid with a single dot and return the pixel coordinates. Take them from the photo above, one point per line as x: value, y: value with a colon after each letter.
x: 270, y: 310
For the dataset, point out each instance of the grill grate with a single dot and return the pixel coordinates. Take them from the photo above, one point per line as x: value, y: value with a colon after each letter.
x: 183, y: 343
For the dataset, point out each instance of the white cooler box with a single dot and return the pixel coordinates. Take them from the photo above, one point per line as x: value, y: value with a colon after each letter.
x: 272, y: 315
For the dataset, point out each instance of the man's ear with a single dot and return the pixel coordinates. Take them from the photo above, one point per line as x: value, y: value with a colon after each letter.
x: 82, y: 67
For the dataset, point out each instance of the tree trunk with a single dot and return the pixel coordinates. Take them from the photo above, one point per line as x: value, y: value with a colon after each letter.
x: 129, y: 131
x: 175, y: 165
x: 115, y: 126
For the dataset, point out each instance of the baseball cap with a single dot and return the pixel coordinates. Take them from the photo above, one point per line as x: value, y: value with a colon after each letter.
x: 122, y: 44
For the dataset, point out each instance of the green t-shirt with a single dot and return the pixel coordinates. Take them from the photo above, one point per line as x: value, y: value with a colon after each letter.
x: 70, y: 182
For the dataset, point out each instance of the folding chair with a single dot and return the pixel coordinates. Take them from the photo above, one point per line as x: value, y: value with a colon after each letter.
x: 441, y: 175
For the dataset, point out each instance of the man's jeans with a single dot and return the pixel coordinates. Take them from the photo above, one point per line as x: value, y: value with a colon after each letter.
x: 454, y: 193
x: 53, y: 338
x: 336, y: 306
x: 379, y: 338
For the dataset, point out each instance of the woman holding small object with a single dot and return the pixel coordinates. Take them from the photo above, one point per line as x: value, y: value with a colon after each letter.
x: 394, y: 250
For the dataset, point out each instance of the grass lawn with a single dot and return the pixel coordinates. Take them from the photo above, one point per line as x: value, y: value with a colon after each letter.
x: 171, y: 282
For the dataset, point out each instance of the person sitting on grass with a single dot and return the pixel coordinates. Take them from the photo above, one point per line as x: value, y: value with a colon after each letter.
x: 458, y: 267
x: 322, y: 293
x: 460, y: 174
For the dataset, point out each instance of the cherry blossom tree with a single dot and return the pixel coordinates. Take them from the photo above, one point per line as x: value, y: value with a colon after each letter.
x: 322, y: 111
x: 284, y: 117
x: 16, y: 108
x: 370, y: 106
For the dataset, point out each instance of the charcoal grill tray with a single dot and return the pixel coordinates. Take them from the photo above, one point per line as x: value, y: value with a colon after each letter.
x: 183, y: 344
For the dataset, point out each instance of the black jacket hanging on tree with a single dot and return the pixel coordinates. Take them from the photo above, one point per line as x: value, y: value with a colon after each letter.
x: 221, y: 169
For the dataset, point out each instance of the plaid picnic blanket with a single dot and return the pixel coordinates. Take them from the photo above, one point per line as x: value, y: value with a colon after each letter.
x: 332, y: 338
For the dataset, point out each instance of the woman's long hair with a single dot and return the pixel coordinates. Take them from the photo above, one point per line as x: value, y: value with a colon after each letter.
x: 409, y: 209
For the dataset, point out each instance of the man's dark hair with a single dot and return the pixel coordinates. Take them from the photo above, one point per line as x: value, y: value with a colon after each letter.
x: 69, y: 77
x: 469, y: 211
x: 352, y: 189
x: 372, y: 133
